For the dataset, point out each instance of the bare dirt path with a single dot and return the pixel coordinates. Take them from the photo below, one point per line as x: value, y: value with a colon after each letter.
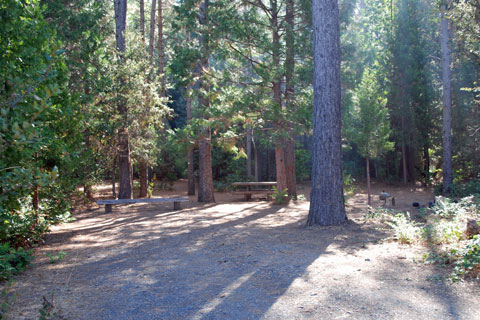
x: 236, y: 260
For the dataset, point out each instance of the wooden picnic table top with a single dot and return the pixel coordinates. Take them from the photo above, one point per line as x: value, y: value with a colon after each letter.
x: 144, y: 200
x: 253, y: 183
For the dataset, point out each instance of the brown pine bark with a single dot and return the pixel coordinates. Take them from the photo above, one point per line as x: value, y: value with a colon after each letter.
x: 281, y: 172
x: 205, y: 176
x: 125, y: 182
x: 368, y: 181
x: 152, y: 29
x: 160, y: 47
x: 289, y: 93
x: 142, y: 19
x: 447, y: 103
x: 190, y: 156
x: 143, y: 179
x: 327, y: 205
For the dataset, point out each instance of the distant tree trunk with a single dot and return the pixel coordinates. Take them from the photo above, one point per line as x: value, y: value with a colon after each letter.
x: 190, y: 156
x: 160, y: 47
x: 327, y: 205
x: 152, y: 29
x: 143, y: 179
x: 125, y: 182
x: 404, y: 162
x: 280, y: 167
x: 447, y: 103
x: 289, y: 92
x: 258, y: 166
x: 142, y: 19
x: 205, y: 177
x: 114, y: 177
x: 368, y: 181
x: 249, y: 152
x: 35, y: 199
x: 426, y: 165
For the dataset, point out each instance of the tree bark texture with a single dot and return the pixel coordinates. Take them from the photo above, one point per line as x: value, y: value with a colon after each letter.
x: 190, y: 156
x: 160, y: 47
x: 205, y: 176
x: 114, y: 177
x: 124, y: 163
x: 142, y: 19
x: 152, y: 29
x: 368, y: 181
x: 143, y: 179
x: 289, y: 93
x: 280, y: 167
x: 447, y: 103
x: 327, y: 205
x: 248, y: 143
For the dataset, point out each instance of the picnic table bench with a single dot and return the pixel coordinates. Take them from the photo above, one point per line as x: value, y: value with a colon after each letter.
x: 109, y: 202
x: 249, y: 188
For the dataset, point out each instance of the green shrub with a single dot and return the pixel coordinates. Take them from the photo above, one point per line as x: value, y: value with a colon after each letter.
x: 468, y: 258
x: 405, y: 229
x: 279, y: 196
x: 459, y: 190
x: 13, y: 260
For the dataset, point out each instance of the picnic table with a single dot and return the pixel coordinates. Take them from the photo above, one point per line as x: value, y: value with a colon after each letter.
x: 253, y: 187
x: 109, y: 202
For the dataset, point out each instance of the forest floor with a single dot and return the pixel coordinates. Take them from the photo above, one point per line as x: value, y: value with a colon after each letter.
x: 236, y: 260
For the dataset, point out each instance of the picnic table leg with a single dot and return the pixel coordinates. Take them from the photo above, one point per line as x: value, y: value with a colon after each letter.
x: 176, y: 206
x: 108, y: 208
x: 248, y: 196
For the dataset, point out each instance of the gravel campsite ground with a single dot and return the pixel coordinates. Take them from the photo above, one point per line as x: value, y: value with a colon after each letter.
x: 236, y: 260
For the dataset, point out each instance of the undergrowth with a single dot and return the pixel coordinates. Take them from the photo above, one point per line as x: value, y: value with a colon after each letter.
x: 441, y: 230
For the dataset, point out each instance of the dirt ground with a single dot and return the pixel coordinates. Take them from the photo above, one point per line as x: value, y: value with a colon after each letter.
x: 236, y: 260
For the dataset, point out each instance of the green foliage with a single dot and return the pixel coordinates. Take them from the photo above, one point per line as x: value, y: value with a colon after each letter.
x: 370, y: 127
x: 467, y: 258
x: 461, y: 189
x: 55, y: 257
x: 405, y: 229
x: 48, y: 311
x: 13, y: 260
x: 7, y: 300
x: 279, y: 196
x: 150, y: 188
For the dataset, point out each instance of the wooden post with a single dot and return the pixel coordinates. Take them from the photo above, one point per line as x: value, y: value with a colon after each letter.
x: 108, y: 208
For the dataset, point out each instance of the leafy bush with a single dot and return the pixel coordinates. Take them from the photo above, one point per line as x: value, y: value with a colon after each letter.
x: 459, y: 190
x: 13, y: 260
x: 468, y: 258
x: 405, y: 229
x: 279, y: 196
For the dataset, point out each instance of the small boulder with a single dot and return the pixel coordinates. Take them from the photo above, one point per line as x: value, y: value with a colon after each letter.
x: 472, y: 228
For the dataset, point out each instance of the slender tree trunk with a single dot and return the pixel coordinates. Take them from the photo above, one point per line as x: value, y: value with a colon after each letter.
x: 426, y: 165
x: 368, y: 181
x: 190, y: 157
x: 249, y: 152
x: 447, y: 103
x: 125, y: 182
x: 289, y: 93
x: 143, y: 179
x: 160, y: 47
x: 114, y: 177
x: 142, y: 19
x: 152, y: 29
x: 258, y: 166
x: 36, y: 199
x: 327, y: 205
x: 404, y: 163
x: 205, y: 177
x: 280, y: 167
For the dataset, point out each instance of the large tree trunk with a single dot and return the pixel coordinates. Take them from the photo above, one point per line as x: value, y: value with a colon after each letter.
x: 114, y: 177
x: 447, y: 104
x: 190, y: 157
x: 205, y: 177
x: 289, y: 92
x: 125, y: 182
x: 327, y: 205
x: 152, y: 29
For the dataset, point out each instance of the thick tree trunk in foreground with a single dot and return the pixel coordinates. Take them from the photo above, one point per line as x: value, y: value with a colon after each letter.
x: 124, y: 163
x: 205, y: 177
x: 327, y: 205
x: 447, y: 104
